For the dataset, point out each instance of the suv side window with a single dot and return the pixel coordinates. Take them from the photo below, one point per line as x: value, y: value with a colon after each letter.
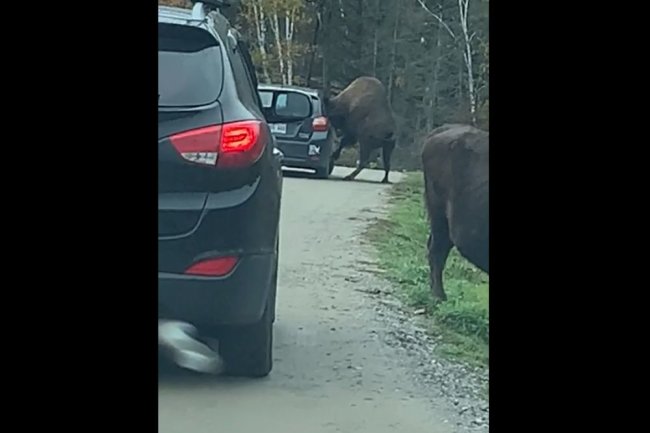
x: 246, y: 88
x: 248, y: 61
x: 250, y: 69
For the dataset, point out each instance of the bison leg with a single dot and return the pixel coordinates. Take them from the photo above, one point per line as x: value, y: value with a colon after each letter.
x: 439, y: 245
x: 346, y: 141
x: 364, y: 157
x: 386, y: 153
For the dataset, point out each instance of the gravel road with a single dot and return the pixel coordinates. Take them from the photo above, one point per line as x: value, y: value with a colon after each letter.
x: 347, y: 356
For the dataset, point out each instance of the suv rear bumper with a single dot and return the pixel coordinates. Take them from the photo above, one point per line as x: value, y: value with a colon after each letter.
x: 237, y: 299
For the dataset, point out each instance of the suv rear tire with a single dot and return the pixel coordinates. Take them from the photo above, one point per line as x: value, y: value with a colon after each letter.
x: 248, y: 350
x: 273, y: 295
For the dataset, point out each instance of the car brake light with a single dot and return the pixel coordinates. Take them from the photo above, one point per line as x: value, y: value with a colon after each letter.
x: 242, y: 143
x: 231, y: 145
x: 217, y: 267
x: 320, y: 124
x: 198, y: 145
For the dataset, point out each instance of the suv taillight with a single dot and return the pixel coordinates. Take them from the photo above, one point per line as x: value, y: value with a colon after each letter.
x: 231, y: 145
x: 320, y: 124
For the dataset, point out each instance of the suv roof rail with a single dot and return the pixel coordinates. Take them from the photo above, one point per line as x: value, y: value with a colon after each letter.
x: 202, y: 8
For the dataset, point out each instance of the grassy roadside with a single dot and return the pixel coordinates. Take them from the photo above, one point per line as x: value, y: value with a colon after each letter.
x: 463, y: 321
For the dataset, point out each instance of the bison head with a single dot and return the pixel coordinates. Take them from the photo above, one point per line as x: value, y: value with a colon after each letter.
x: 336, y: 118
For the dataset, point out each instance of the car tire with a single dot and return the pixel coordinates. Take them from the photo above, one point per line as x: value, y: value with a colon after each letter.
x: 247, y: 350
x: 324, y: 172
x: 331, y: 167
x: 274, y: 280
x: 273, y: 295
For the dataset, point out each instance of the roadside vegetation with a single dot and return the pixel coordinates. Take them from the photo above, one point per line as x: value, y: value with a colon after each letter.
x: 462, y: 322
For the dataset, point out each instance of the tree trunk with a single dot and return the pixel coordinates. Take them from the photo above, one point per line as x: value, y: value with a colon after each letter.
x: 391, y: 79
x: 463, y: 8
x: 314, y: 43
x: 275, y: 26
x: 260, y: 29
x: 437, y: 55
x: 288, y: 37
x: 360, y: 37
x: 375, y: 43
x: 325, y: 51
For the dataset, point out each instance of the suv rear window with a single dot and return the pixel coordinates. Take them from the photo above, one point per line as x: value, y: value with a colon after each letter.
x: 190, y: 67
x: 283, y: 104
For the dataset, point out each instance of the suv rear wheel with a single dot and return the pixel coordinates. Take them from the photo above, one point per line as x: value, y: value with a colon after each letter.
x: 248, y: 350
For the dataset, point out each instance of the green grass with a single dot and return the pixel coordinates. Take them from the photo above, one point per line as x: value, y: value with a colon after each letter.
x: 463, y: 320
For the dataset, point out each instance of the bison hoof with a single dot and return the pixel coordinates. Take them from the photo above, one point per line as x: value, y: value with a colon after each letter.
x: 385, y: 180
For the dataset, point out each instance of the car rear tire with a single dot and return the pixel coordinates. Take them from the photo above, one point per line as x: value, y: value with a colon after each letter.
x: 321, y: 173
x: 273, y: 296
x: 331, y: 167
x: 324, y: 172
x: 248, y: 350
x: 274, y: 280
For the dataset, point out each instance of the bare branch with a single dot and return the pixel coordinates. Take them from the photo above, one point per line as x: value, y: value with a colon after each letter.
x: 437, y: 17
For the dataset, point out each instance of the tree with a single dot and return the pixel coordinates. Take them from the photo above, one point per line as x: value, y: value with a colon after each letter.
x: 254, y: 10
x: 433, y: 55
x: 280, y: 21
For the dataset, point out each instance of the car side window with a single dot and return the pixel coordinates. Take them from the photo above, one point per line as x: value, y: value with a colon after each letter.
x: 317, y: 106
x: 245, y: 87
x: 250, y: 69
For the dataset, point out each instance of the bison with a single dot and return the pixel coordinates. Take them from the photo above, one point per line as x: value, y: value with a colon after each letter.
x: 455, y: 160
x: 362, y: 113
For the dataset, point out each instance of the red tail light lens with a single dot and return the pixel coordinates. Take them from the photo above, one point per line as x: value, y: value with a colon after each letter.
x: 217, y: 267
x: 242, y: 144
x: 320, y: 124
x: 199, y: 145
x: 231, y: 145
x: 239, y: 137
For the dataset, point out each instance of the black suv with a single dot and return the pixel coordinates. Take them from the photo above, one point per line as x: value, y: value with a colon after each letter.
x: 300, y: 125
x: 219, y: 189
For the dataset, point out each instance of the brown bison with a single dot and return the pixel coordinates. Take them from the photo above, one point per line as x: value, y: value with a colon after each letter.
x: 455, y: 159
x: 362, y: 113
